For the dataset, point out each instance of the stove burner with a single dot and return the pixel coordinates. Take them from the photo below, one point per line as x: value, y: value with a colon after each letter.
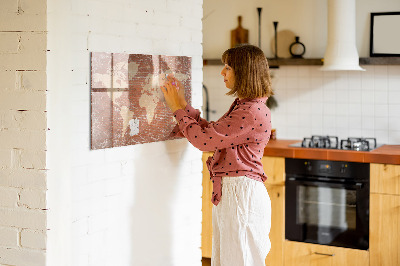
x: 332, y: 142
x: 328, y: 142
x: 358, y: 144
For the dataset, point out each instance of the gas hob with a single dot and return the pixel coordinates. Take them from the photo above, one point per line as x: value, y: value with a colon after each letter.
x: 332, y: 142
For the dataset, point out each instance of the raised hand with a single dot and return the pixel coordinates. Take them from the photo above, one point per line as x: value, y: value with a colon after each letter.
x: 174, y: 94
x: 180, y: 88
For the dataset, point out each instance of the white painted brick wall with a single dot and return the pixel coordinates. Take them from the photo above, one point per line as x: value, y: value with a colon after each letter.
x: 23, y: 178
x: 9, y: 237
x: 22, y: 256
x: 8, y: 197
x: 34, y: 239
x: 23, y: 218
x: 33, y: 198
x: 23, y: 132
x: 134, y: 205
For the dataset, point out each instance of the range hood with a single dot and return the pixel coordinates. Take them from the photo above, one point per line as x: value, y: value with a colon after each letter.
x: 341, y: 51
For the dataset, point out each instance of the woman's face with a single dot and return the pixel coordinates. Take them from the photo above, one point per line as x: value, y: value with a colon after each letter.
x: 229, y: 76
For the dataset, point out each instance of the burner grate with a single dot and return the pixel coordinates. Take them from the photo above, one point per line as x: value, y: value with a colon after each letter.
x: 332, y: 142
x: 358, y: 144
x: 327, y: 142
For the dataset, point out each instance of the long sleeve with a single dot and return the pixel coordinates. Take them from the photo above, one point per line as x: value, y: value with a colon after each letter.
x: 229, y: 131
x: 193, y: 113
x: 238, y: 139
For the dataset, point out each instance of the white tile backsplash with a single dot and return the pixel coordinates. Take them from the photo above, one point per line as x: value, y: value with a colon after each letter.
x: 342, y: 103
x: 394, y: 97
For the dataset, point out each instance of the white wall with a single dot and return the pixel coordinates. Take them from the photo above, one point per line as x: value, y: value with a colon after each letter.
x: 311, y: 102
x: 306, y: 19
x: 133, y: 205
x: 23, y: 133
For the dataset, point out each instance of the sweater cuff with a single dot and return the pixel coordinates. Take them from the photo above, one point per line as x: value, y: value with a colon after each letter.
x: 179, y: 114
x: 190, y: 111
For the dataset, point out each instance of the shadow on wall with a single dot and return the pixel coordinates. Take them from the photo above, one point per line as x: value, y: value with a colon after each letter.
x: 152, y: 228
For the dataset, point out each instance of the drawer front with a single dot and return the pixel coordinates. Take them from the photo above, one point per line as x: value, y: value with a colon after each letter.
x: 297, y: 253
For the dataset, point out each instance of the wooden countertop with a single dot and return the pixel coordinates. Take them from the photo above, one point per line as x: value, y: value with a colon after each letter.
x: 389, y: 154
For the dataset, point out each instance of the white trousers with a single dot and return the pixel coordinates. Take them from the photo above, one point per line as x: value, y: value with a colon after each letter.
x: 241, y: 223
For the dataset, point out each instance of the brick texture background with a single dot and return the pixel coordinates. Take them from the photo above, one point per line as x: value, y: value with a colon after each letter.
x: 23, y: 120
x: 132, y: 205
x: 60, y: 202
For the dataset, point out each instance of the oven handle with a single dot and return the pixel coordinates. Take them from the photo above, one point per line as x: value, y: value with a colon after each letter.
x: 357, y: 185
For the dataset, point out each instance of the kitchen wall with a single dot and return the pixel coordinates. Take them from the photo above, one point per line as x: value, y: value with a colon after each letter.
x: 343, y: 103
x: 23, y: 215
x: 134, y: 205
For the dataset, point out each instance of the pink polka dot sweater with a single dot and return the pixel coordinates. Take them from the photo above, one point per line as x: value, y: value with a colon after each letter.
x: 238, y: 139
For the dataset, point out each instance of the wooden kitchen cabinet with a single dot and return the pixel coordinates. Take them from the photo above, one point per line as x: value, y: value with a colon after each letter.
x: 274, y: 168
x: 385, y: 215
x: 384, y: 236
x: 385, y: 178
x: 277, y: 233
x: 305, y: 254
x: 206, y: 225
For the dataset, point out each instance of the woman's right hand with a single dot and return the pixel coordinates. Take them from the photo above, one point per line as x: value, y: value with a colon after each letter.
x: 181, y: 90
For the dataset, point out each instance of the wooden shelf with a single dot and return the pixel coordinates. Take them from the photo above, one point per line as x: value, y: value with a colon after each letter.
x: 380, y: 61
x: 274, y: 63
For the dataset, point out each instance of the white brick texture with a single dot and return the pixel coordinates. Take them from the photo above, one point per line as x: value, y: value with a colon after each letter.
x: 126, y: 201
x: 23, y: 128
x: 33, y: 199
x: 23, y: 218
x: 9, y: 237
x: 33, y: 239
x: 23, y: 178
x: 8, y: 197
x: 18, y: 256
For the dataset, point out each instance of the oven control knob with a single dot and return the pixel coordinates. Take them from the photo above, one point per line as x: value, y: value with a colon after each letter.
x: 308, y: 166
x: 343, y: 168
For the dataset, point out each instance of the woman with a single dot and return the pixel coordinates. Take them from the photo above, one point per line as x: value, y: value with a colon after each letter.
x: 242, y: 211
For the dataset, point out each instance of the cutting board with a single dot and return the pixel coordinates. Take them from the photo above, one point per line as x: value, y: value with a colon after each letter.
x: 239, y: 35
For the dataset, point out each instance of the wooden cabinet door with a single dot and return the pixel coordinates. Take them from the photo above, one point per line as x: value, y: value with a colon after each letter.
x: 274, y: 168
x: 304, y: 254
x: 206, y: 226
x: 385, y: 178
x: 277, y: 233
x: 384, y: 237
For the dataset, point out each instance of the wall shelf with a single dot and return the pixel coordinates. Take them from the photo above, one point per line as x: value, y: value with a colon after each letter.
x: 274, y: 63
x: 380, y: 61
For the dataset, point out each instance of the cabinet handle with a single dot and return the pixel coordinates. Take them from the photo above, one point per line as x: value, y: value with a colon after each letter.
x: 324, y: 254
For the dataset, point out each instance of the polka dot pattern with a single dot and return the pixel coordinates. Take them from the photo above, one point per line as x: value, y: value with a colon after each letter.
x: 238, y: 139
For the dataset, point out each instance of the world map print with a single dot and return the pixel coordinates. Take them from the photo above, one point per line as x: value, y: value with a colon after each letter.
x: 127, y: 104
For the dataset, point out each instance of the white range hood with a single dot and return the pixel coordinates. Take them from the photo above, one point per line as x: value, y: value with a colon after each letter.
x: 341, y: 51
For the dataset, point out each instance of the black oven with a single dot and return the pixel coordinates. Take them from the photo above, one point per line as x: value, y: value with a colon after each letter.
x: 327, y: 202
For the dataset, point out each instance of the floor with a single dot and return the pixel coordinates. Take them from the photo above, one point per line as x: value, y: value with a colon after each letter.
x: 206, y: 261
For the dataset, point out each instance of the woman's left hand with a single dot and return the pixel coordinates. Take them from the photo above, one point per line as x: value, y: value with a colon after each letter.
x: 170, y: 90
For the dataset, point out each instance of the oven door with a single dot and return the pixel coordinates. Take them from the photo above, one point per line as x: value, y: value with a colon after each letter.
x: 327, y: 213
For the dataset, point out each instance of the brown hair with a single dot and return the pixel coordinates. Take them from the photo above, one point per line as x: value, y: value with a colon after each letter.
x: 250, y: 66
